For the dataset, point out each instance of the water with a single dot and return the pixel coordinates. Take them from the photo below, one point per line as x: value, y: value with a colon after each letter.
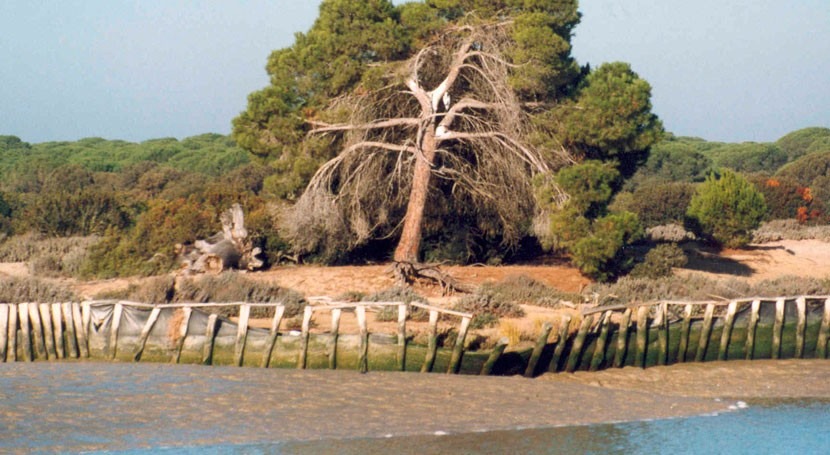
x: 152, y: 408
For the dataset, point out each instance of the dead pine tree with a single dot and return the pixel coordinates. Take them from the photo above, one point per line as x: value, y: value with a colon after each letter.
x: 446, y: 115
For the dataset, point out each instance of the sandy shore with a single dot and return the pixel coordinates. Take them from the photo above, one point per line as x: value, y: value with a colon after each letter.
x: 122, y: 406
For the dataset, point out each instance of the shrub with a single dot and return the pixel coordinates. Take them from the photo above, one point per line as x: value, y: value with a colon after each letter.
x: 602, y: 255
x: 525, y: 290
x: 590, y: 186
x: 21, y: 290
x: 797, y: 143
x: 398, y: 294
x: 727, y: 208
x: 790, y: 229
x: 487, y: 308
x: 660, y: 261
x: 658, y: 203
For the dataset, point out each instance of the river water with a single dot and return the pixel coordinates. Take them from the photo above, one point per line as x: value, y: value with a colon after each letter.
x: 152, y: 408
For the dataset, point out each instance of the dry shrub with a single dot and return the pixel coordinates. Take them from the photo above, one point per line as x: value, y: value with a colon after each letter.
x: 669, y: 233
x: 522, y: 289
x: 698, y: 287
x: 227, y: 287
x: 235, y: 287
x: 791, y: 229
x: 660, y: 261
x: 487, y: 308
x: 20, y: 290
x: 398, y: 294
x: 48, y: 256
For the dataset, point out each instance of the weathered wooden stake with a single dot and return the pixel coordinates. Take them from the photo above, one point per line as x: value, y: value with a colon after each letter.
x: 210, y: 336
x: 241, y: 334
x: 4, y: 330
x: 662, y: 324
x: 541, y: 342
x: 57, y: 327
x: 821, y: 348
x: 562, y: 339
x: 705, y: 332
x: 145, y: 332
x: 458, y: 350
x: 25, y: 332
x: 777, y: 328
x: 177, y: 354
x: 497, y: 351
x: 80, y: 329
x: 642, y: 336
x: 599, y: 351
x: 37, y: 331
x: 402, y: 337
x: 726, y: 335
x: 11, y: 352
x: 86, y: 315
x: 750, y: 329
x: 116, y: 323
x: 363, y: 349
x: 304, y: 335
x: 48, y: 333
x: 579, y: 342
x: 71, y: 338
x: 684, y: 333
x: 622, y: 339
x: 335, y: 334
x: 432, y: 342
x: 801, y: 326
x: 279, y: 311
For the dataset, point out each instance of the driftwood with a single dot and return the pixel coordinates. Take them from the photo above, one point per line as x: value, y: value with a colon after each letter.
x: 229, y: 249
x: 406, y: 273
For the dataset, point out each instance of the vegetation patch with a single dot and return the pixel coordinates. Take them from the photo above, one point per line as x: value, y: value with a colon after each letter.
x: 23, y: 290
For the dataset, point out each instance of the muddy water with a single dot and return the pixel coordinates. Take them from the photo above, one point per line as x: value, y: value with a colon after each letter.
x: 145, y: 408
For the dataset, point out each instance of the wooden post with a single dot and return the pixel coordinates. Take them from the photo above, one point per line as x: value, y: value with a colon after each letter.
x: 335, y: 334
x: 363, y: 349
x: 821, y: 348
x: 725, y: 336
x: 80, y: 329
x: 576, y: 350
x: 801, y: 326
x: 750, y: 329
x: 48, y: 333
x: 37, y: 331
x: 622, y: 339
x: 116, y: 323
x: 402, y: 337
x: 86, y: 314
x: 279, y: 311
x: 662, y: 323
x: 57, y: 327
x: 210, y: 336
x: 71, y: 338
x: 497, y: 351
x: 177, y: 354
x: 599, y: 351
x: 11, y: 352
x: 564, y: 326
x: 778, y: 328
x: 4, y: 330
x: 145, y: 332
x: 458, y: 350
x: 642, y: 336
x: 25, y: 332
x: 304, y: 335
x: 684, y: 333
x: 705, y: 331
x: 432, y: 342
x: 241, y: 334
x: 541, y: 342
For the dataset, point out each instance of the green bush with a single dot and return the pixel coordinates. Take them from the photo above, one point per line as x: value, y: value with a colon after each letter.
x: 727, y: 208
x: 657, y: 203
x: 660, y: 261
x: 602, y: 254
x: 797, y: 143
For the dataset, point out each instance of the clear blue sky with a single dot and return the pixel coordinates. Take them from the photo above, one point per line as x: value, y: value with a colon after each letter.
x: 729, y: 70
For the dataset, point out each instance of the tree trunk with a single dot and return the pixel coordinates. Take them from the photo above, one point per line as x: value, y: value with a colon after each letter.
x: 410, y: 242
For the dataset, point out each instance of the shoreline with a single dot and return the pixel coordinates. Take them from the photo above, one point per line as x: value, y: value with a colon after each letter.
x: 160, y: 405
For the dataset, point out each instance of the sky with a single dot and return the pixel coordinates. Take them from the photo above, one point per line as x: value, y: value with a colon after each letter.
x: 722, y: 70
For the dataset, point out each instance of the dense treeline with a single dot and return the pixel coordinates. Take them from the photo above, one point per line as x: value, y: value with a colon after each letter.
x: 140, y: 200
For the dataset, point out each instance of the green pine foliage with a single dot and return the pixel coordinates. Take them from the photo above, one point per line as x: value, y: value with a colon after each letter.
x: 727, y: 208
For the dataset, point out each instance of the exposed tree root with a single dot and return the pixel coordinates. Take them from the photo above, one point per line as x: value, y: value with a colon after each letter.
x: 406, y: 273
